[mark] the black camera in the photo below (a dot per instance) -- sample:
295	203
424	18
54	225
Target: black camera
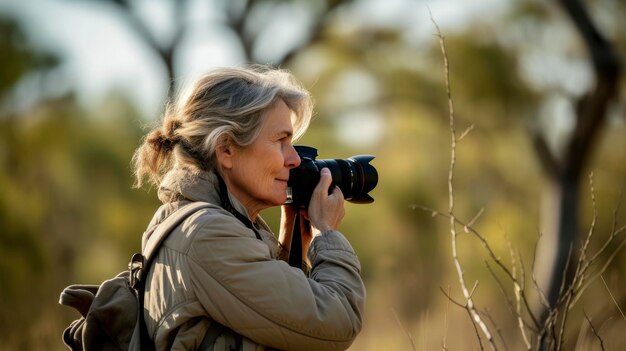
354	176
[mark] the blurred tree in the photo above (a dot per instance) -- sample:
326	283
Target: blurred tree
241	17
65	195
485	78
67	211
19	60
565	169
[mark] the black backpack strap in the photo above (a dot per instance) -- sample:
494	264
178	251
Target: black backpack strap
228	206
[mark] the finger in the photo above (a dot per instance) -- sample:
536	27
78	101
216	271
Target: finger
337	192
325	180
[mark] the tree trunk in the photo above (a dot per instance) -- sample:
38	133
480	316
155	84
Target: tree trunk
558	244
564	172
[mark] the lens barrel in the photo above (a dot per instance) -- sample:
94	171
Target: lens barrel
355	176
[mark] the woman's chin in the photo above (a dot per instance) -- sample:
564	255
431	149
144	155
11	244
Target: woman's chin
280	196
280	199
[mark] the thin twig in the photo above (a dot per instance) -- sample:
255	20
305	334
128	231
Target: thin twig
562	293
465	133
462	305
404	329
602	270
582	331
609	240
425	333
445	324
542	295
581	280
490	251
471	222
498	330
480	341
582	259
594	331
574	291
474	315
566	299
613	298
561	335
518	289
502	289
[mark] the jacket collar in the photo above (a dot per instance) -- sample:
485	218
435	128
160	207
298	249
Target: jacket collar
187	184
184	184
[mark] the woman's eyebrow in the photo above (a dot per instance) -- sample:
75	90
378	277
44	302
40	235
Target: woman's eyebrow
284	133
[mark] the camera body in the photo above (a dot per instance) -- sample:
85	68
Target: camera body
354	176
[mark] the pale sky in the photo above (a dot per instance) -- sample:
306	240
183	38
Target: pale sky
100	52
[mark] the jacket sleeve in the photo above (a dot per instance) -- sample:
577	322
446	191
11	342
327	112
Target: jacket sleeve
266	300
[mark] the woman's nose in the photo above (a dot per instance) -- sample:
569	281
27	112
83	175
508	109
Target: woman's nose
292	159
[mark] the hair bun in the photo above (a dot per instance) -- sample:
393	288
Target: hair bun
165	143
161	142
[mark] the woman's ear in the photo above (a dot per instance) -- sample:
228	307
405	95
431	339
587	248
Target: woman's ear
225	152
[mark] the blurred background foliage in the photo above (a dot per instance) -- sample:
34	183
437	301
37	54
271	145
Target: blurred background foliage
68	213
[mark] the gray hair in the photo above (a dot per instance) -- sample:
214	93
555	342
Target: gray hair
227	102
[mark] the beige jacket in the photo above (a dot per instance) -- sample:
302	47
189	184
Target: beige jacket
212	267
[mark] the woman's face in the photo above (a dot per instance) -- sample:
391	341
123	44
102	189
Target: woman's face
257	174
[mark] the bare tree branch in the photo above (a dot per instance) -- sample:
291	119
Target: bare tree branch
471	309
406	332
594	331
518	288
445	324
613	298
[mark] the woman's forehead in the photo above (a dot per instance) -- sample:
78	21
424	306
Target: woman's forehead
278	119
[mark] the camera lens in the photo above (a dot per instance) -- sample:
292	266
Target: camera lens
365	179
355	176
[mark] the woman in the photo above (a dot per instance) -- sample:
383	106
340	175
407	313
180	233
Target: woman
220	281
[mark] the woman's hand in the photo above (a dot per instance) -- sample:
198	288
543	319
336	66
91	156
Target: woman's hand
325	211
